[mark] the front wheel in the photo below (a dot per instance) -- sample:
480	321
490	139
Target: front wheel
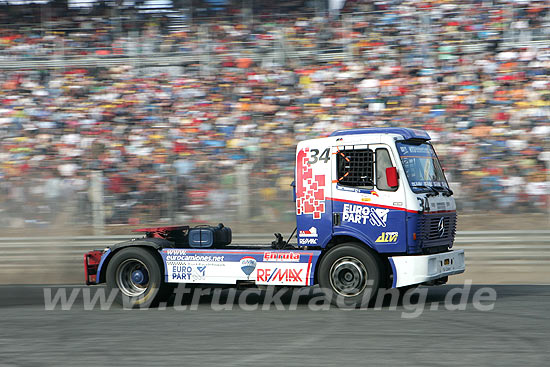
137	276
350	275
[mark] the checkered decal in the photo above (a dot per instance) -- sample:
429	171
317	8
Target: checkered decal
310	188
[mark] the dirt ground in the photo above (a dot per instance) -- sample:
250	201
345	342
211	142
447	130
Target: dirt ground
477	274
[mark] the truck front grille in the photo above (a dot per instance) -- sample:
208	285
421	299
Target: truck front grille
437	230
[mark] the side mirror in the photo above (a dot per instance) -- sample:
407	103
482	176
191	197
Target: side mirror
391	177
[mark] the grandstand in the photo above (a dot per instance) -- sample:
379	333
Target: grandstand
161	111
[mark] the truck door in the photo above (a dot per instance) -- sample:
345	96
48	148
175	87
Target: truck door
364	205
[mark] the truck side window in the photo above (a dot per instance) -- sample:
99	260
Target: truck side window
355	167
383	161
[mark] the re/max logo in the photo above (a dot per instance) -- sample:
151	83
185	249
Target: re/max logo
308	241
279	275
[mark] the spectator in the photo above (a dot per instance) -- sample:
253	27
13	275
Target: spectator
170	143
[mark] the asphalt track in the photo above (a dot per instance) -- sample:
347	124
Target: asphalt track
514	333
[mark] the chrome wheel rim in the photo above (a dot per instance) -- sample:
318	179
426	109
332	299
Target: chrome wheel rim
132	277
348	276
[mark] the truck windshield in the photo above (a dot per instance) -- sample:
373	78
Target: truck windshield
421	166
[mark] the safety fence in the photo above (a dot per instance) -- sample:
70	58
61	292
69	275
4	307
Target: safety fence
482	248
491	256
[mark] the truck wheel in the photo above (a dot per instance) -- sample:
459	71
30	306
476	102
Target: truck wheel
349	274
137	274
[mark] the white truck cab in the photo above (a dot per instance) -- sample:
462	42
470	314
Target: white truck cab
382	187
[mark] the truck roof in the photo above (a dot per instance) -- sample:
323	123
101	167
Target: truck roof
405	132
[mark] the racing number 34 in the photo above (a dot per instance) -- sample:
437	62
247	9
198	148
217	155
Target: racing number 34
316	158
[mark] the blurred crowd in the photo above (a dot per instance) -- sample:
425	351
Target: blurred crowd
46	31
172	145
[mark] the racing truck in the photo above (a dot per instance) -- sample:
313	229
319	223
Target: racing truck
373	210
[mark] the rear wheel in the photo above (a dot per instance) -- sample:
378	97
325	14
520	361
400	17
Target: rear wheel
350	275
137	274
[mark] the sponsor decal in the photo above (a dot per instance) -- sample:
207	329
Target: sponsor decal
378	217
369	198
388	237
312	232
416	149
360	214
202	269
282	276
348	189
175	252
188	273
248	265
282	256
310	187
308	237
238	265
308	241
204	258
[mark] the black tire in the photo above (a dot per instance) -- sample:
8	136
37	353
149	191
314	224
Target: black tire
132	291
350	275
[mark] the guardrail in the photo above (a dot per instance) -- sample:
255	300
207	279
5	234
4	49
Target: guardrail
524	248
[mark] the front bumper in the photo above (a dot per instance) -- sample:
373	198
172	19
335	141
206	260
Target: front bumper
412	269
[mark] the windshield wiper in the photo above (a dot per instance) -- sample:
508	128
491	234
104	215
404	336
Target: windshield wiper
435	192
446	191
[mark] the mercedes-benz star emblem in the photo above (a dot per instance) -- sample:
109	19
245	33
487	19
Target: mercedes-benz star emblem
441	228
